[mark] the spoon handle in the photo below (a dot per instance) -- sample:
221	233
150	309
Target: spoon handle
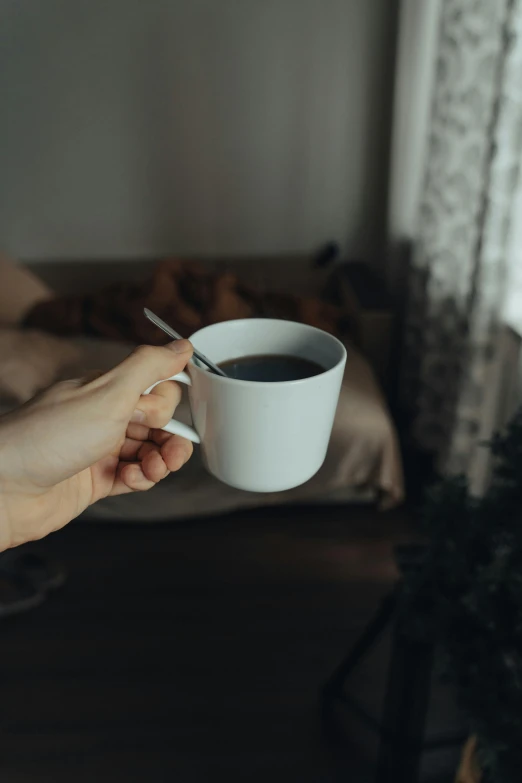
160	323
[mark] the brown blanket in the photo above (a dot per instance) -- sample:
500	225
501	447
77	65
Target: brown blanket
184	295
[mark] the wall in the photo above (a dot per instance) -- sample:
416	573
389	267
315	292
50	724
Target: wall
135	128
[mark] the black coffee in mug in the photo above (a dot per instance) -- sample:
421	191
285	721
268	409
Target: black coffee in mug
270	368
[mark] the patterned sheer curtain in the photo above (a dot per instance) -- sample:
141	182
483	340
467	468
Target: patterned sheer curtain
467	240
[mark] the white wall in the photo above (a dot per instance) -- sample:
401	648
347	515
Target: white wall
142	127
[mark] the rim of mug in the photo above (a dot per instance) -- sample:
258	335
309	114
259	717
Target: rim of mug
238	381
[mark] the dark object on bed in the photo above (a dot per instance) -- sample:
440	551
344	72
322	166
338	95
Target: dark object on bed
185	295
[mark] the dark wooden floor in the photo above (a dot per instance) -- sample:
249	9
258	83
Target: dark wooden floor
191	652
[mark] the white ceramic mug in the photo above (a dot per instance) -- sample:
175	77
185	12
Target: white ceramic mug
259	436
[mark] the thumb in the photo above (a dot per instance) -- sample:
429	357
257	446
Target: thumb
148	364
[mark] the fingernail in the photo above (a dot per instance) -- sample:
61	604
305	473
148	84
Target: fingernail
180	346
138	416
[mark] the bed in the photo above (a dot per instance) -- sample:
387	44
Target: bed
363	463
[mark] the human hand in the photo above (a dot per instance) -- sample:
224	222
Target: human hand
81	441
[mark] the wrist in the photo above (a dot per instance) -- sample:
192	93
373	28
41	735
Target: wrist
18	505
24	516
5	513
6	529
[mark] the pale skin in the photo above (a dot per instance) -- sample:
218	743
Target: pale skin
81	441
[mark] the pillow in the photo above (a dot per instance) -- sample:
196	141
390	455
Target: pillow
30	361
20	291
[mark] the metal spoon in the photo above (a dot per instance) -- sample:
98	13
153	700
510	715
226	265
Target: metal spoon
172	333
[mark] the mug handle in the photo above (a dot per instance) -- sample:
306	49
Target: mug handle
173	426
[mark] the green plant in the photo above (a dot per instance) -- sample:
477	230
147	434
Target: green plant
468	597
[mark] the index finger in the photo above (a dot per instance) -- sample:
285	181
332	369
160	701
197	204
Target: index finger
148	364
